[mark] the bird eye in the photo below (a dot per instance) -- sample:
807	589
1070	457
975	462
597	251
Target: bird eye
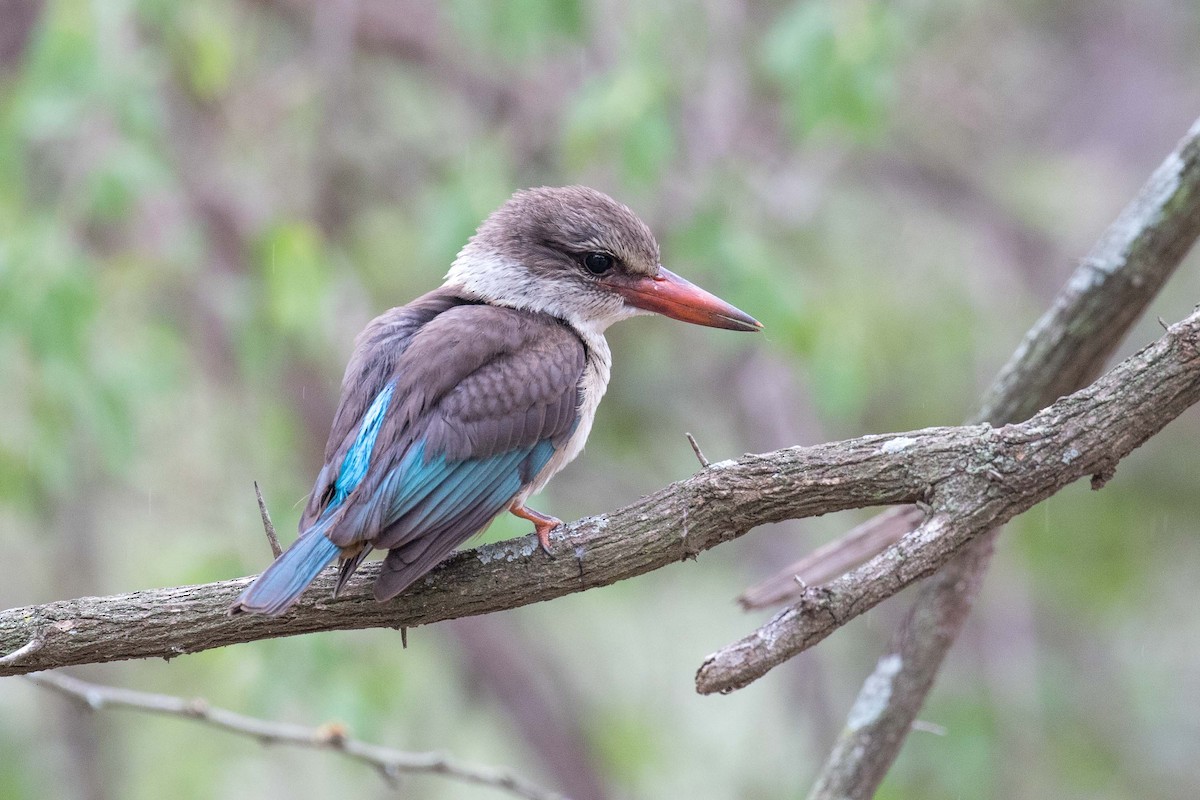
598	263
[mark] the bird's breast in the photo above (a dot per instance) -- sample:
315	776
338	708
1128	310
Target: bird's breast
592	385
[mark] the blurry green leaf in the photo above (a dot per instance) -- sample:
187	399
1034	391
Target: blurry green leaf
200	39
834	62
211	57
60	313
453	210
69	401
754	267
1113	568
517	29
625	741
841	380
626	114
119	180
295	274
111	197
64	55
969	744
648	148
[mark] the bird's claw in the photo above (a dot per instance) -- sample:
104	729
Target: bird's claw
543	535
542	524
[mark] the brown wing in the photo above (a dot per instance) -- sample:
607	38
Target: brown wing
372	365
480	398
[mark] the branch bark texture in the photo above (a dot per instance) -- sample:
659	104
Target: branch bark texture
1070	343
1061	353
975	476
716	505
978	477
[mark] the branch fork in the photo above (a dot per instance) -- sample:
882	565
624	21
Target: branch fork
989	476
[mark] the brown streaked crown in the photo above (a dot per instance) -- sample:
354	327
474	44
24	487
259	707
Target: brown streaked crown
541	226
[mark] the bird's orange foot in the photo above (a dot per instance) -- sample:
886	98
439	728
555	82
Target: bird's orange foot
542	524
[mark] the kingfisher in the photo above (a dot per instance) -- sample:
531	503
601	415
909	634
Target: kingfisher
463	403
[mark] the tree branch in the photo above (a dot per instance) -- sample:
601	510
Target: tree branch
955	469
1061	353
979	477
392	764
673	524
1090	316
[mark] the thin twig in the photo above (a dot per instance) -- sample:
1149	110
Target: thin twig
696	449
833	559
329	737
29	648
268	526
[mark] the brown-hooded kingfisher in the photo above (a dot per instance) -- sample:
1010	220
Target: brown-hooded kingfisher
463	403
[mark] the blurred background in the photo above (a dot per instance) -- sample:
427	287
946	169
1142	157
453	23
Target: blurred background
202	203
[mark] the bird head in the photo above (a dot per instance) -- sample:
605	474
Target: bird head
579	255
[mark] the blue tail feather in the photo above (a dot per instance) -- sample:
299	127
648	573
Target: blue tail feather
274	591
426	496
277	588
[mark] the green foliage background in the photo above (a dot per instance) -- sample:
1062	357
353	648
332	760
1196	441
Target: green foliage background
201	204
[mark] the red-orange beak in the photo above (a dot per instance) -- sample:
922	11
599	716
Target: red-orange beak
670	295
